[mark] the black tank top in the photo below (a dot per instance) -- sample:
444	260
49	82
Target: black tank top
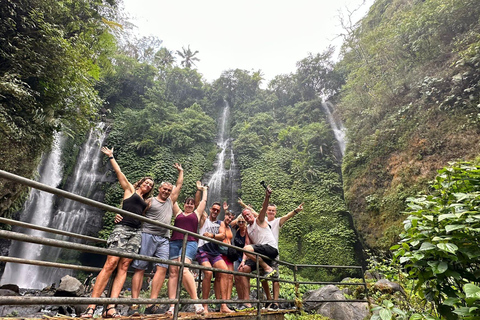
134	204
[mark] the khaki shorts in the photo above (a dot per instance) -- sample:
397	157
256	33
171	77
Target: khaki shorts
124	238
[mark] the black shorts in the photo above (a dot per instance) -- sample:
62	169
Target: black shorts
266	250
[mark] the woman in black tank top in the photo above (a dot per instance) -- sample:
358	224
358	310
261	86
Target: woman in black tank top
126	236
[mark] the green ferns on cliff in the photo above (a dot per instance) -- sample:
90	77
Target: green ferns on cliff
410	103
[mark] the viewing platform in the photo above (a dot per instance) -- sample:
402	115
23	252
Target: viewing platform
249	315
83	299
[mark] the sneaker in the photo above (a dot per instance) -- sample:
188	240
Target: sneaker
133	310
266	305
153	309
270	274
273	307
244	308
198	308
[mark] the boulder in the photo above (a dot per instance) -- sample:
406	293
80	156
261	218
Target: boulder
6	293
70	287
11	287
385	286
334	310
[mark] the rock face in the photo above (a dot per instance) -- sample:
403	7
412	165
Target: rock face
334	310
385	286
70	287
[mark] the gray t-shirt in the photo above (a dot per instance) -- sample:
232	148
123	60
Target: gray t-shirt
161	212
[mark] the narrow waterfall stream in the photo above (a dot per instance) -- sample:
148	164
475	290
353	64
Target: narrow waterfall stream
337	126
45	209
223	182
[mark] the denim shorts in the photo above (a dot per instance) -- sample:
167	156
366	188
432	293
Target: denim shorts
152	246
176	249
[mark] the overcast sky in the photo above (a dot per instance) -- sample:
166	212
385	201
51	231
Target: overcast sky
256	35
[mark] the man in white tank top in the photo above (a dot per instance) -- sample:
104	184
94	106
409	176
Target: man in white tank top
260	240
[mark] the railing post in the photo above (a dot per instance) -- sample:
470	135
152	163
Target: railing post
180	277
259	308
365	285
298	300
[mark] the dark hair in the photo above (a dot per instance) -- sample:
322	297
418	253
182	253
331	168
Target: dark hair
137	185
217	203
190	199
229	213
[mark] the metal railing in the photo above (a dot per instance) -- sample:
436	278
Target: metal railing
23	300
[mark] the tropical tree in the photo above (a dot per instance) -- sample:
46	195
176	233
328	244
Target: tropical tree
164	58
188	57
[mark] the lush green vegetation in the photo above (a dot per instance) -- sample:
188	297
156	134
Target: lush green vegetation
436	260
407	87
410	102
51	55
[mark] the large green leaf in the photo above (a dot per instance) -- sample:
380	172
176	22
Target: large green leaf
452	227
448	247
471	291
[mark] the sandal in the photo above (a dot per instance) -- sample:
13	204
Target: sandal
88	313
170	311
115	314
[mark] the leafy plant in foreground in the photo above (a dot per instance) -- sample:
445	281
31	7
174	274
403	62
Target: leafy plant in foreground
439	247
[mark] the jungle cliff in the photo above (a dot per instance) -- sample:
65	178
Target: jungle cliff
411	105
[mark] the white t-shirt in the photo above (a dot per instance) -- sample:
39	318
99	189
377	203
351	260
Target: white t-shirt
275	226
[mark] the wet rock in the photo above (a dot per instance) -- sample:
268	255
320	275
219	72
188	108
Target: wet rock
70	287
6	293
386	286
11	287
19	311
334	310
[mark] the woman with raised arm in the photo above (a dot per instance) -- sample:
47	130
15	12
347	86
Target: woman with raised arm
188	219
125	237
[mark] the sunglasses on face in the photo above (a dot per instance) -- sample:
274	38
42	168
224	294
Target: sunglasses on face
241	222
215	210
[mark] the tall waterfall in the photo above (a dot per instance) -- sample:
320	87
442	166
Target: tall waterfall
38	209
223	182
337	126
45	209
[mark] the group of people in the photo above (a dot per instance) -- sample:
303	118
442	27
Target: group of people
254	232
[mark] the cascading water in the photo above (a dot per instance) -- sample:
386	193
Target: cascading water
223	183
38	210
45	209
337	126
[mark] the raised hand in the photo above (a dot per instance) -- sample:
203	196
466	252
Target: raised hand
108	152
178	166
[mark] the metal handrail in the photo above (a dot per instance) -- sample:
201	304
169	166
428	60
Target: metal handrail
181	264
50	230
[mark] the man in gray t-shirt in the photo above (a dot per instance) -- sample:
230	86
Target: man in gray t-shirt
155	241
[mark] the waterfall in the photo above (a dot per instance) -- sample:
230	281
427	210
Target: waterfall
223	182
337	126
45	209
38	209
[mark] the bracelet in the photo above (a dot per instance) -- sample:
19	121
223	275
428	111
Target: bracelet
295	211
110	157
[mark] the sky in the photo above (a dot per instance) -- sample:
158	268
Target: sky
265	35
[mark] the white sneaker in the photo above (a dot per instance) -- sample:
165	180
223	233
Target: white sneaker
198	308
